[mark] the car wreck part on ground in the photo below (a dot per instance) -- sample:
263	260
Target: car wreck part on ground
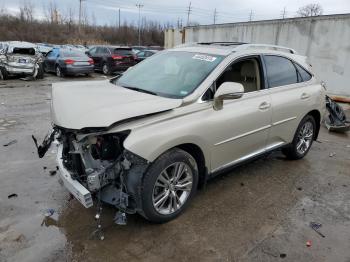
11	142
336	120
45	145
316	226
12	196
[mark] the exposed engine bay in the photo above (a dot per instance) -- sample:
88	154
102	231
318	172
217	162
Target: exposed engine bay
99	166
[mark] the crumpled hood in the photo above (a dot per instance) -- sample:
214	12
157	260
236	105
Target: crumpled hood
85	104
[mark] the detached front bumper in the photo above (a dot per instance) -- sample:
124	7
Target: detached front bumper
74	187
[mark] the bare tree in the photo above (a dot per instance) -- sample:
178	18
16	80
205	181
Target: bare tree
26	11
310	10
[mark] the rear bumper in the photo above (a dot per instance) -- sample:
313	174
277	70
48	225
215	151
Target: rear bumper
73	70
19	70
74	187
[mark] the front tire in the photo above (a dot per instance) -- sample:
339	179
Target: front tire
302	140
168	186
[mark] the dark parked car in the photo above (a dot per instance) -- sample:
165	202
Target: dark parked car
109	59
68	62
144	54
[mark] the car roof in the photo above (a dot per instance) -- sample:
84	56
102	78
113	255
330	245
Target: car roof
226	48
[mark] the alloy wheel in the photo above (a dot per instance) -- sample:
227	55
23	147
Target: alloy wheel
172	188
105	69
305	137
58	71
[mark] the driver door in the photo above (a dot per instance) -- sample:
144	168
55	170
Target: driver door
242	126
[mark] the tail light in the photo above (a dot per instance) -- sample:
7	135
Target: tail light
91	62
69	61
117	57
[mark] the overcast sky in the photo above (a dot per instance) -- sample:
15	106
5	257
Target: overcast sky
202	11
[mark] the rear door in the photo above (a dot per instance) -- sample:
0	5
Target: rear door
289	97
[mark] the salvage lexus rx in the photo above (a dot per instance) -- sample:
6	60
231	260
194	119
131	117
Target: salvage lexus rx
145	140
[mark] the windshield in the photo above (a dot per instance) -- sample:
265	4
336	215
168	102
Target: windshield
171	74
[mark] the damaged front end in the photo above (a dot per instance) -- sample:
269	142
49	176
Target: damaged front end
96	166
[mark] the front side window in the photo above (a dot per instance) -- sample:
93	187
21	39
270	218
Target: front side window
246	72
173	74
280	71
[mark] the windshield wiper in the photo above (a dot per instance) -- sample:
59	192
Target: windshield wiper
140	90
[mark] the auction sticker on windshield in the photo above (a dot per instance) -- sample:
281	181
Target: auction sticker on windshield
207	58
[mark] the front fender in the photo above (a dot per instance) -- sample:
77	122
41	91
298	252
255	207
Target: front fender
150	145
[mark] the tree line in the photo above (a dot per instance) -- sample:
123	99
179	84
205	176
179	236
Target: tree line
58	27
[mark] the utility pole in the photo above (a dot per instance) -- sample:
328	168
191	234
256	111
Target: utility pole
139	6
250	15
188	13
284	13
79	26
215	15
119	18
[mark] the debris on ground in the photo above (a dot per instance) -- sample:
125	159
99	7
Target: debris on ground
282	255
336	120
44	167
242	184
332	154
11	142
49	212
299	188
12	196
316	226
52	172
308	243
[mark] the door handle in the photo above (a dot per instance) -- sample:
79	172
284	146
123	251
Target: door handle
304	96
264	105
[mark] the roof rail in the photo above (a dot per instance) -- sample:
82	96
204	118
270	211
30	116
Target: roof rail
271	47
221	43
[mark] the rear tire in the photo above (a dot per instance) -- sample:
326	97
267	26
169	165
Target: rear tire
105	69
59	71
40	74
164	194
302	140
3	74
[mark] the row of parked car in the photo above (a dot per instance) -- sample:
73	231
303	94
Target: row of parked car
23	58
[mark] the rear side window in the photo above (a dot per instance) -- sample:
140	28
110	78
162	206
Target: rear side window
303	74
280	71
123	52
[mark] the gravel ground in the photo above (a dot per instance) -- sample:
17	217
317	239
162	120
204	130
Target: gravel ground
258	212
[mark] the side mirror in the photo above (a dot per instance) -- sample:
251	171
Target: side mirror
227	91
87	53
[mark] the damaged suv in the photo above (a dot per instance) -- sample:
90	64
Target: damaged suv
145	140
20	58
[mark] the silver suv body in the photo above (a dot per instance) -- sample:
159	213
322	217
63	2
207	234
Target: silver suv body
146	140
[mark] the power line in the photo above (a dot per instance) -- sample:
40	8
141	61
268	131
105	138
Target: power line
139	6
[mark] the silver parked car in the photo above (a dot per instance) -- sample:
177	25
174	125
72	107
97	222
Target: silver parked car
146	140
20	58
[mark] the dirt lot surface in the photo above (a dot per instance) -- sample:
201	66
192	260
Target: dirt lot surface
257	212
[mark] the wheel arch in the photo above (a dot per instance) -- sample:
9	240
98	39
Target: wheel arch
196	152
317	116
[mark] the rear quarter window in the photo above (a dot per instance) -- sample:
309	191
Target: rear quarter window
304	75
280	71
